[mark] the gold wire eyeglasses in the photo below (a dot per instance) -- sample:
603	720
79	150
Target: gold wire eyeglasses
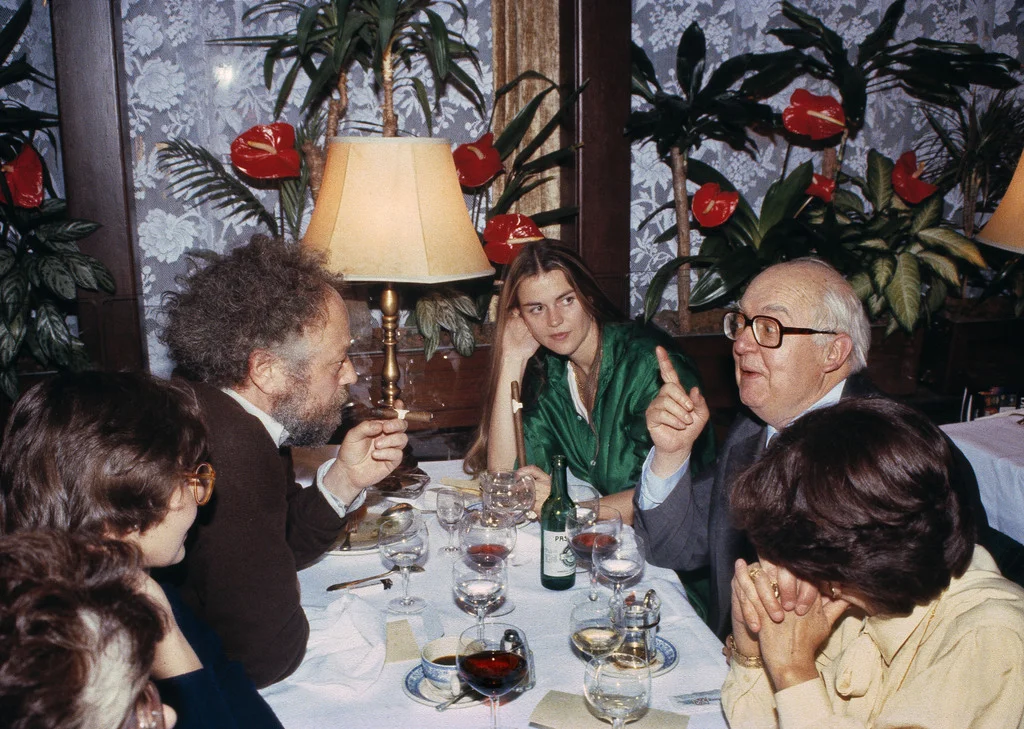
201	482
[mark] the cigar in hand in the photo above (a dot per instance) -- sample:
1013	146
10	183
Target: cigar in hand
413	416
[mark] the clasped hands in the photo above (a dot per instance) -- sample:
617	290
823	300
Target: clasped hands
781	619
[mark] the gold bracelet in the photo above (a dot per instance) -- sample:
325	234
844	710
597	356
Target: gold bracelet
740	659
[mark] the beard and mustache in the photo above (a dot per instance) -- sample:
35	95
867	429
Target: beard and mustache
309	423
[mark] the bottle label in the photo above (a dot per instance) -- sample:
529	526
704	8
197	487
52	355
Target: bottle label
559	560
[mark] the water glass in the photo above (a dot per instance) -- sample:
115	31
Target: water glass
622	563
450	507
507	493
479	582
402	540
618	687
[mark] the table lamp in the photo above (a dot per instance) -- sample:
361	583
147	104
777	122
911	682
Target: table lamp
391	210
1005	229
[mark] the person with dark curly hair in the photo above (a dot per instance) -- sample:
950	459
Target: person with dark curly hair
77	639
911	625
122	456
262	335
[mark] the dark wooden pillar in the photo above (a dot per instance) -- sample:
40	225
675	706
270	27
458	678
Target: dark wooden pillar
595	45
96	156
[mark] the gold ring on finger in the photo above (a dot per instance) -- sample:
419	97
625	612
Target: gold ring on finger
754	572
775	589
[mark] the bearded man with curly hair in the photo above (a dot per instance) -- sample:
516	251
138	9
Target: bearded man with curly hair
262	336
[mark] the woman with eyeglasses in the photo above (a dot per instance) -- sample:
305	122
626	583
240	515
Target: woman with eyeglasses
120	456
76	642
587	377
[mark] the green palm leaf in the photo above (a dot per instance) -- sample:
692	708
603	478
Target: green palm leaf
197	177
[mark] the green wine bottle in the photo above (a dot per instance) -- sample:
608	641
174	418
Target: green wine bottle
557	561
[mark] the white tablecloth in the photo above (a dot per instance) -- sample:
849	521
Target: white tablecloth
995	448
542	614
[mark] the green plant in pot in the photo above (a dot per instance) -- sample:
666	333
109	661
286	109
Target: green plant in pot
41	267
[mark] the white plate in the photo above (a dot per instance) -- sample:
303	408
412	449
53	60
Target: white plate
420	690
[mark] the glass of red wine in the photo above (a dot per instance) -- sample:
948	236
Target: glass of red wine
493	660
483	531
592	526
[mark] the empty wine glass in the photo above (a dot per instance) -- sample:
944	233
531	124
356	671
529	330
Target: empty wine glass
592	526
620	563
618	687
493	659
507	493
595	629
450	507
479	582
402	539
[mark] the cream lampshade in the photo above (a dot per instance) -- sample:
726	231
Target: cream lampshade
391	210
1005	229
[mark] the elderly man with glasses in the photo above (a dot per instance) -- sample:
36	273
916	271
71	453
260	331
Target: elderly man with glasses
800	342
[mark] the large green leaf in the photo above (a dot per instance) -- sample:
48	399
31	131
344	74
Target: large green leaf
7	260
941	265
661	278
14	294
690	59
927	215
955	243
785	197
903	293
52	335
879	180
57	277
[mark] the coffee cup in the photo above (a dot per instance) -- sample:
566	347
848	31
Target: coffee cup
438	661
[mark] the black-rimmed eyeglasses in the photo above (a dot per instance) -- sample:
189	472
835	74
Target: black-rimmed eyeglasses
767	330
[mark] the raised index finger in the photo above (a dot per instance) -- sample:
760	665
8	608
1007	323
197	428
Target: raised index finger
668	373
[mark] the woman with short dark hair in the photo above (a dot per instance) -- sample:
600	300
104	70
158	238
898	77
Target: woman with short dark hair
121	456
914	626
76	642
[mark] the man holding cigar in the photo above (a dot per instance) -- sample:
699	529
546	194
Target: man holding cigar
262	335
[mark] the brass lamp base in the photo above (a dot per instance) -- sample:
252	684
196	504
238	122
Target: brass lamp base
389	324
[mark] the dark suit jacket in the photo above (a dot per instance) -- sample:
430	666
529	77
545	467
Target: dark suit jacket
692	527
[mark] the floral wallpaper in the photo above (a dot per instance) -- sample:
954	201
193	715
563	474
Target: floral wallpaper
892	124
180	85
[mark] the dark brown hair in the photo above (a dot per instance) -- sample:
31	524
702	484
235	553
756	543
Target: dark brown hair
262	295
861	493
97	452
536	258
63	599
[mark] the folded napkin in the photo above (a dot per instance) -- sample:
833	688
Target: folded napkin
559	710
345	655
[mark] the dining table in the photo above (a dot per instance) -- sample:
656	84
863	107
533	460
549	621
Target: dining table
362	667
994	445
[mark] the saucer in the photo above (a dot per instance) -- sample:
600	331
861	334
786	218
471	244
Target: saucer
666	657
419	689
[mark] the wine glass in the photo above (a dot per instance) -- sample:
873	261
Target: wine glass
482	531
507	493
595	629
450	507
402	539
620	563
493	660
592	525
479	581
618	687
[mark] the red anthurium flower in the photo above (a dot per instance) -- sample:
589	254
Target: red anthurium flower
906	179
478	162
713	206
822	187
505	234
266	152
24	175
817	117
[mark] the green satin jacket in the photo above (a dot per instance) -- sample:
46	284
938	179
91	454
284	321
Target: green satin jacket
609	452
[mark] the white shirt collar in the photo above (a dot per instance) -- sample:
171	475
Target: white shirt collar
277	431
830	398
